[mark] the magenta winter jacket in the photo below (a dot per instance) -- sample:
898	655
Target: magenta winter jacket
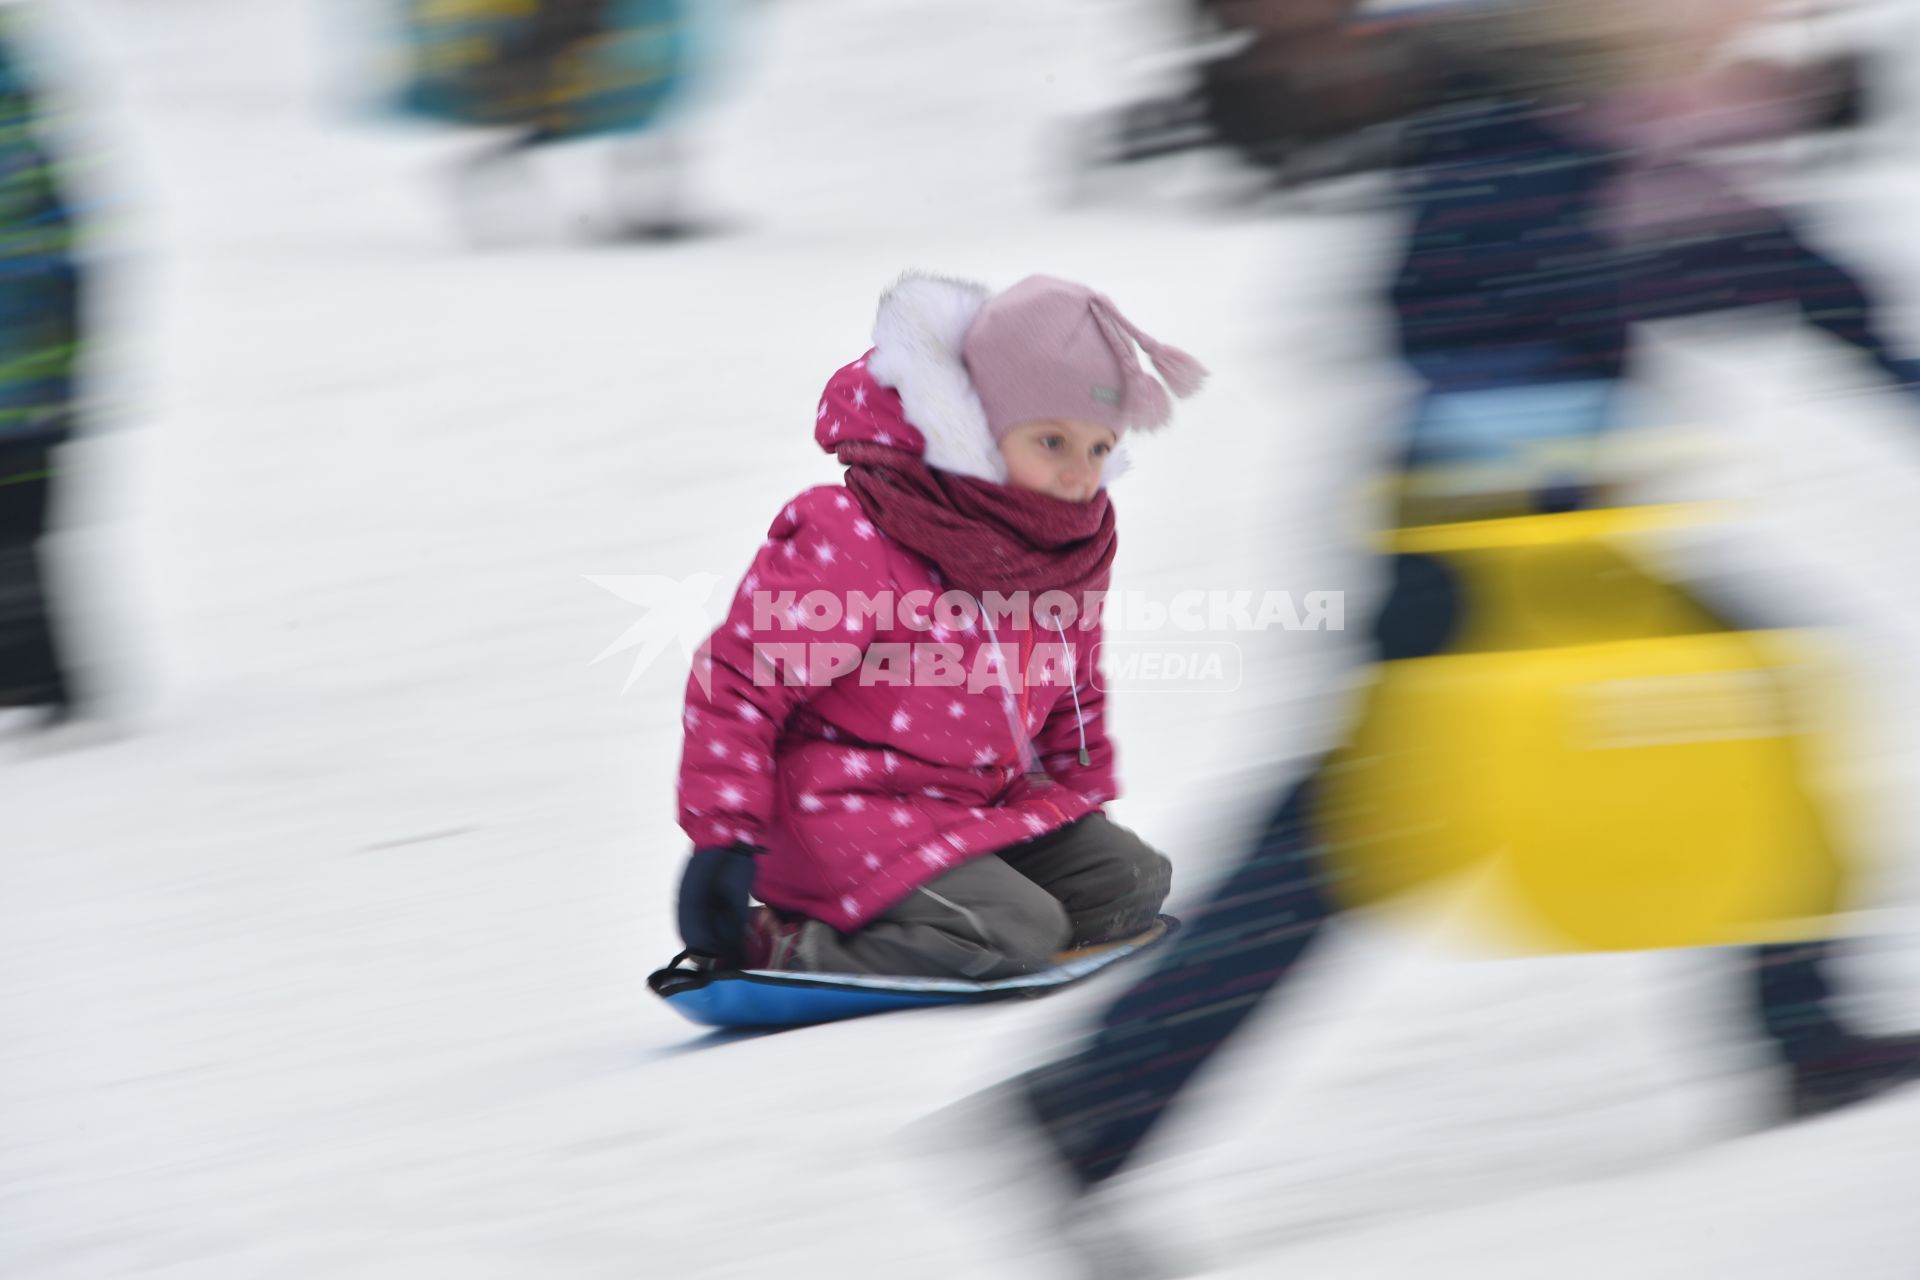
860	791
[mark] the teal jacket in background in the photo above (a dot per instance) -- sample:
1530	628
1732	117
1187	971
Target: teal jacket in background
560	69
40	342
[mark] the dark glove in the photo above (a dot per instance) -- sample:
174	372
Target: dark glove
714	890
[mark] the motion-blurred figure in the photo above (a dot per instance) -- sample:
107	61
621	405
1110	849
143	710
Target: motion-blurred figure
1559	198
548	72
1295	88
40	349
1311	89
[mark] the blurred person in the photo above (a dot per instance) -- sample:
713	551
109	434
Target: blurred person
1310	72
554	72
1291	86
941	817
1559	201
40	348
1310	89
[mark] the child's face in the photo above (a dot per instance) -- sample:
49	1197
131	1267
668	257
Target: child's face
1059	458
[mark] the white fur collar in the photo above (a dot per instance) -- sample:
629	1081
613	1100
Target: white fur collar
918	342
918	339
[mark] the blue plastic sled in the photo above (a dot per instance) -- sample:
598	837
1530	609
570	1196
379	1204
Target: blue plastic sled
761	998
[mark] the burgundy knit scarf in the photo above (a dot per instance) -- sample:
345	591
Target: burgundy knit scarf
981	536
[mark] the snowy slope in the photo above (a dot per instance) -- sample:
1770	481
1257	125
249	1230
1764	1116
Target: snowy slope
331	966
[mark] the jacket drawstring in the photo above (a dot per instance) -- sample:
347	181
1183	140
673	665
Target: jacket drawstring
1073	687
1029	758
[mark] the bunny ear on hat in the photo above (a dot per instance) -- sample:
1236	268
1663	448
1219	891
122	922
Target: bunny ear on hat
1148	406
1183	374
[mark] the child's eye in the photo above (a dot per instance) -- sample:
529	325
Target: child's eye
1051	442
1102	450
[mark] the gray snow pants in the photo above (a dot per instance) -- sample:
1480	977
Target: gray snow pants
1007	913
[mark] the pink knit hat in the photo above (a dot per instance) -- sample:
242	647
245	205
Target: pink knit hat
1050	348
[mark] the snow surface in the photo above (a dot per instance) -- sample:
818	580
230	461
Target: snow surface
330	964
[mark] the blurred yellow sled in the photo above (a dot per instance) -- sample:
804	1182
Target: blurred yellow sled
1607	762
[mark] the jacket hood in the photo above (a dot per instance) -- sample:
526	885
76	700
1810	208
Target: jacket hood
912	390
